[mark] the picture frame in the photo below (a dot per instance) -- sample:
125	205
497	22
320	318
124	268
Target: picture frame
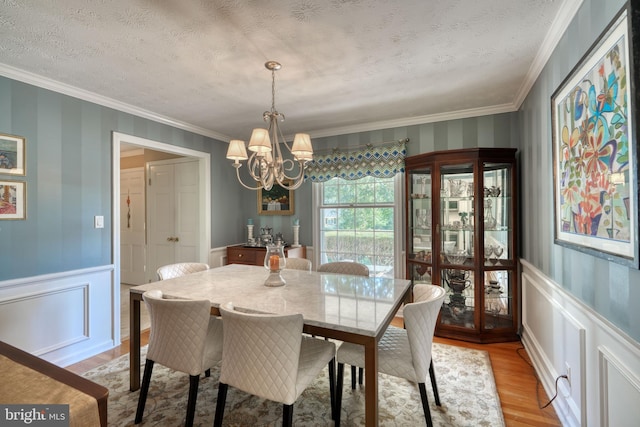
276	201
13	200
595	177
12	158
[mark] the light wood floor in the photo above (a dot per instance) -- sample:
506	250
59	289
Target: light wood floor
515	379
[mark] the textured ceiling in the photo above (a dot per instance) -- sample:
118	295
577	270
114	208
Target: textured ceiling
347	65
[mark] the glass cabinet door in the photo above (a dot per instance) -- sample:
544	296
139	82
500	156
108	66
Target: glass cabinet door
420	226
457	241
498	248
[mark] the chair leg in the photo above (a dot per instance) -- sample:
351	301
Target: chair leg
361	375
353	378
191	403
287	415
222	397
434	386
332	386
144	390
425	404
338	408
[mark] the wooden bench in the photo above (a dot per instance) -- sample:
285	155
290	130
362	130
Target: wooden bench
28	379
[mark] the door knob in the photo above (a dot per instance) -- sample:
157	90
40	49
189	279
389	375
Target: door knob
176	239
169	239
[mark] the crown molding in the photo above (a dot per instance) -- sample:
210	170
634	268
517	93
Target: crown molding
565	15
65	89
418	120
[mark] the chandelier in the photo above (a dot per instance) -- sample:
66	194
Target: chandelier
266	164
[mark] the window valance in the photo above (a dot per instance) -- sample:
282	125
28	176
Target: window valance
380	161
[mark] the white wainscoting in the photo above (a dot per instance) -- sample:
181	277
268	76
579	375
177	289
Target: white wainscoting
558	330
218	257
62	317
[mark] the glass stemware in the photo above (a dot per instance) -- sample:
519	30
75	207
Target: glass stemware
498	250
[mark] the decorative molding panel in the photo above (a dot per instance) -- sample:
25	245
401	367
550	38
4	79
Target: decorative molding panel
558	330
619	391
63	317
60	320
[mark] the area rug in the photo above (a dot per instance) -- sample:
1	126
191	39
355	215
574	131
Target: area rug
465	382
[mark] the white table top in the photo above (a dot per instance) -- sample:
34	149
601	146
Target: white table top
355	304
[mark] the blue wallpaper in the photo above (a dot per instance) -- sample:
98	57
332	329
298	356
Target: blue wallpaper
610	289
68	176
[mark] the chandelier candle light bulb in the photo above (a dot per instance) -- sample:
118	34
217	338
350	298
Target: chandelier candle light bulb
266	164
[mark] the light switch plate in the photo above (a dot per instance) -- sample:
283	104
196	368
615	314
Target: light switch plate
98	221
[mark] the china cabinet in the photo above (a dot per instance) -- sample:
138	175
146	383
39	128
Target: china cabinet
462	235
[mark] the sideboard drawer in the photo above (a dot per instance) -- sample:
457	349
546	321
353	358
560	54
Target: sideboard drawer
237	255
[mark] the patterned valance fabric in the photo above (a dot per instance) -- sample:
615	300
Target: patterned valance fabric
383	161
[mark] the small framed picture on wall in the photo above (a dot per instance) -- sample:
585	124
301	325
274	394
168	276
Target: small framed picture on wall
11	155
13	200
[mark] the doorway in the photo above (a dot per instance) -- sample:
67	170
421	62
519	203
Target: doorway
204	215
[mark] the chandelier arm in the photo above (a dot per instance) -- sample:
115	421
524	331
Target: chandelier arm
261	171
287	164
296	183
237	166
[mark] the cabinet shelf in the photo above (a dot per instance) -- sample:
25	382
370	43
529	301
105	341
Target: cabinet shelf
461	235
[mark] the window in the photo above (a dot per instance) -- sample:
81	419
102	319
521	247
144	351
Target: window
360	220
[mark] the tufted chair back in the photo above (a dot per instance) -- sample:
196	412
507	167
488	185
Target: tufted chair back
266	355
345	267
420	319
298	264
180	269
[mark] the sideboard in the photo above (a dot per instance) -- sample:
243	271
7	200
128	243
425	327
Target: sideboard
254	255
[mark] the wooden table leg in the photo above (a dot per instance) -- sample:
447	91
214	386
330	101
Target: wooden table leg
134	341
371	382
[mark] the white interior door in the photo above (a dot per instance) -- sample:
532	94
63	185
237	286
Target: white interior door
187	226
132	219
173	213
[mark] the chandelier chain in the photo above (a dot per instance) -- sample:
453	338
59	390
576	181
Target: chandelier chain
273	91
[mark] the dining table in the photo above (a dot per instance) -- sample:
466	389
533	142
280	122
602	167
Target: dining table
343	307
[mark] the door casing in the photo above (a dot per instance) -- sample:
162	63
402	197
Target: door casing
204	170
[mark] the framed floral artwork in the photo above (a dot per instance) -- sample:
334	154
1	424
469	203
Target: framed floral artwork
594	150
11	155
13	200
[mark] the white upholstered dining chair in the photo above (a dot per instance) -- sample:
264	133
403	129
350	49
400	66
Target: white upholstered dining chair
356	269
180	269
184	337
267	356
298	264
403	353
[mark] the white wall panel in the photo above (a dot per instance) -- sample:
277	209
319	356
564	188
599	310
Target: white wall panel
558	329
63	317
620	392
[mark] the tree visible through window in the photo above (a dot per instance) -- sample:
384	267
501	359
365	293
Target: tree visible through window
357	222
